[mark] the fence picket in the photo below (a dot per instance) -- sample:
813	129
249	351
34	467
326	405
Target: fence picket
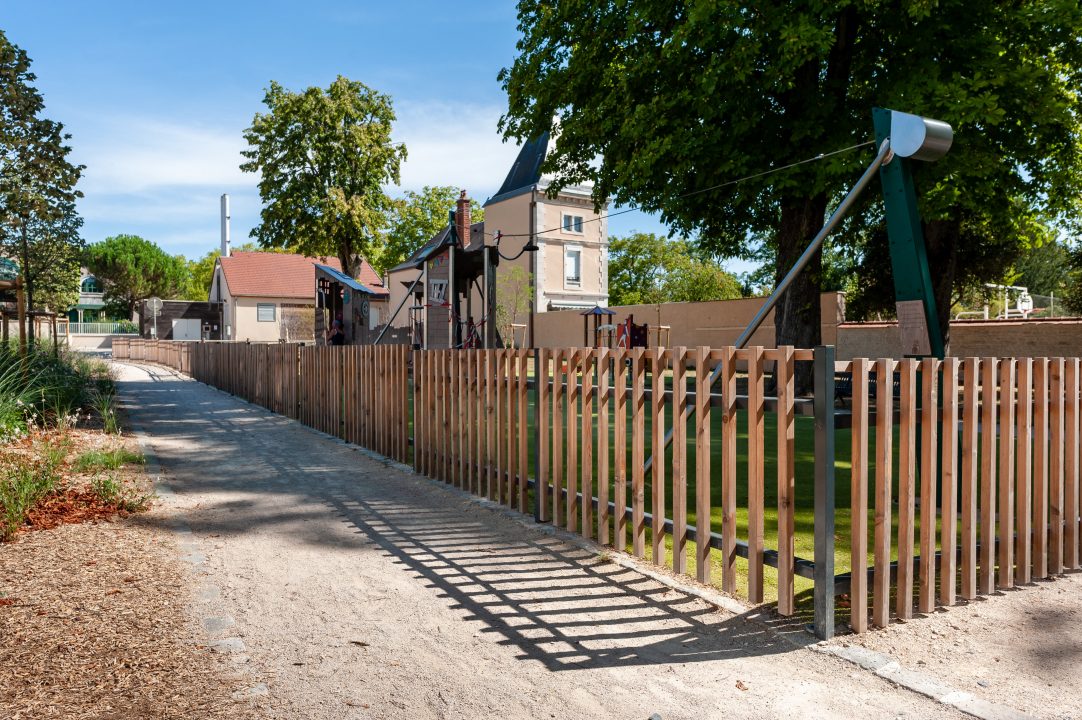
638	455
679	460
948	499
986	577
907	478
786	416
702	464
858	485
656	360
756	474
586	469
1055	483
928	439
572	440
619	441
1005	493
884	420
604	517
1070	467
728	470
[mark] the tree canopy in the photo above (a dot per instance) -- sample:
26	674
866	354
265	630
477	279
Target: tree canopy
132	269
415	218
39	225
324	157
646	268
666	102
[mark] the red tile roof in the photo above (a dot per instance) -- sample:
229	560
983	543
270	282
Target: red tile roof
266	274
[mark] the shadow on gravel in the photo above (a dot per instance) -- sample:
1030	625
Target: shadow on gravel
559	605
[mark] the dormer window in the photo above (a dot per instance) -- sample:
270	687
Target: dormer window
573	224
90	284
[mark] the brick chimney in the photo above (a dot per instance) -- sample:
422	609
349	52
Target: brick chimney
462	219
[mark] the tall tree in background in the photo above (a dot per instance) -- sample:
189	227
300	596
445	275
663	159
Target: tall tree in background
38	222
415	218
675	99
54	261
324	157
132	269
646	268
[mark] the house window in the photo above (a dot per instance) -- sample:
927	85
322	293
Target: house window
90	285
264	312
573	224
572	267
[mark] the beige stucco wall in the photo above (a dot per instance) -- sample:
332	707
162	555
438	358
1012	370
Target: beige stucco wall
970	338
593	241
716	324
247	327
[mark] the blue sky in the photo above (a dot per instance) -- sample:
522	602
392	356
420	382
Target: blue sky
157	95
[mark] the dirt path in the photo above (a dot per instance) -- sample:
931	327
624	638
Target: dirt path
361	591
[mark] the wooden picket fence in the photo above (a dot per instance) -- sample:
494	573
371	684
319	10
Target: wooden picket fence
359	394
1001	435
976	459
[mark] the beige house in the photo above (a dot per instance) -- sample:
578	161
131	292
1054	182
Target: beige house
568	270
270	297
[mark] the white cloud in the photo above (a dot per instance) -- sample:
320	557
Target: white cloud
126	155
452	144
161	178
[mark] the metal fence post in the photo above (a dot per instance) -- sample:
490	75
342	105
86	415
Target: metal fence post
823	367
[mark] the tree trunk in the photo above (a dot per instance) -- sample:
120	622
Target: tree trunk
798	316
941	245
28	286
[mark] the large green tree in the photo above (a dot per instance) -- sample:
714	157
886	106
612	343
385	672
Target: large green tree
415	218
660	102
38	223
647	268
132	269
324	157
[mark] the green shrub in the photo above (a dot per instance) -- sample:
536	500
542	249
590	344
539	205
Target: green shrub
111	491
24	482
97	460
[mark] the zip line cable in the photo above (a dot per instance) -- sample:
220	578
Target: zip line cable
499	236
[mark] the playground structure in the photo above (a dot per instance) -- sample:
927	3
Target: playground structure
359	308
453	296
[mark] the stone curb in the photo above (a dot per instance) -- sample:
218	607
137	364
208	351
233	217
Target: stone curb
891	670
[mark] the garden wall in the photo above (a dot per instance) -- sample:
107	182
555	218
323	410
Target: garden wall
970	338
714	324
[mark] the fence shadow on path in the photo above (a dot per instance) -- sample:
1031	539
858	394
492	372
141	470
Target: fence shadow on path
555	603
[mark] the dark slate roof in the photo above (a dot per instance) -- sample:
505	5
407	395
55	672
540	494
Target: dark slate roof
526	172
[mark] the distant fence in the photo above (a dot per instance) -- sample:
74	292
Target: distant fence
950	478
95	328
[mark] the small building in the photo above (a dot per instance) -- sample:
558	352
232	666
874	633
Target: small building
271	297
181	320
361	308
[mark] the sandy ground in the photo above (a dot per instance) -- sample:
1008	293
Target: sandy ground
361	591
1021	648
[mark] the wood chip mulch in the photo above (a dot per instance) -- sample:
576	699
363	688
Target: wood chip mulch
95	622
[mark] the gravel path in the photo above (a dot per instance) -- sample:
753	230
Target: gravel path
361	591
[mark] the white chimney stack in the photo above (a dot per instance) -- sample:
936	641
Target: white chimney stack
225	225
